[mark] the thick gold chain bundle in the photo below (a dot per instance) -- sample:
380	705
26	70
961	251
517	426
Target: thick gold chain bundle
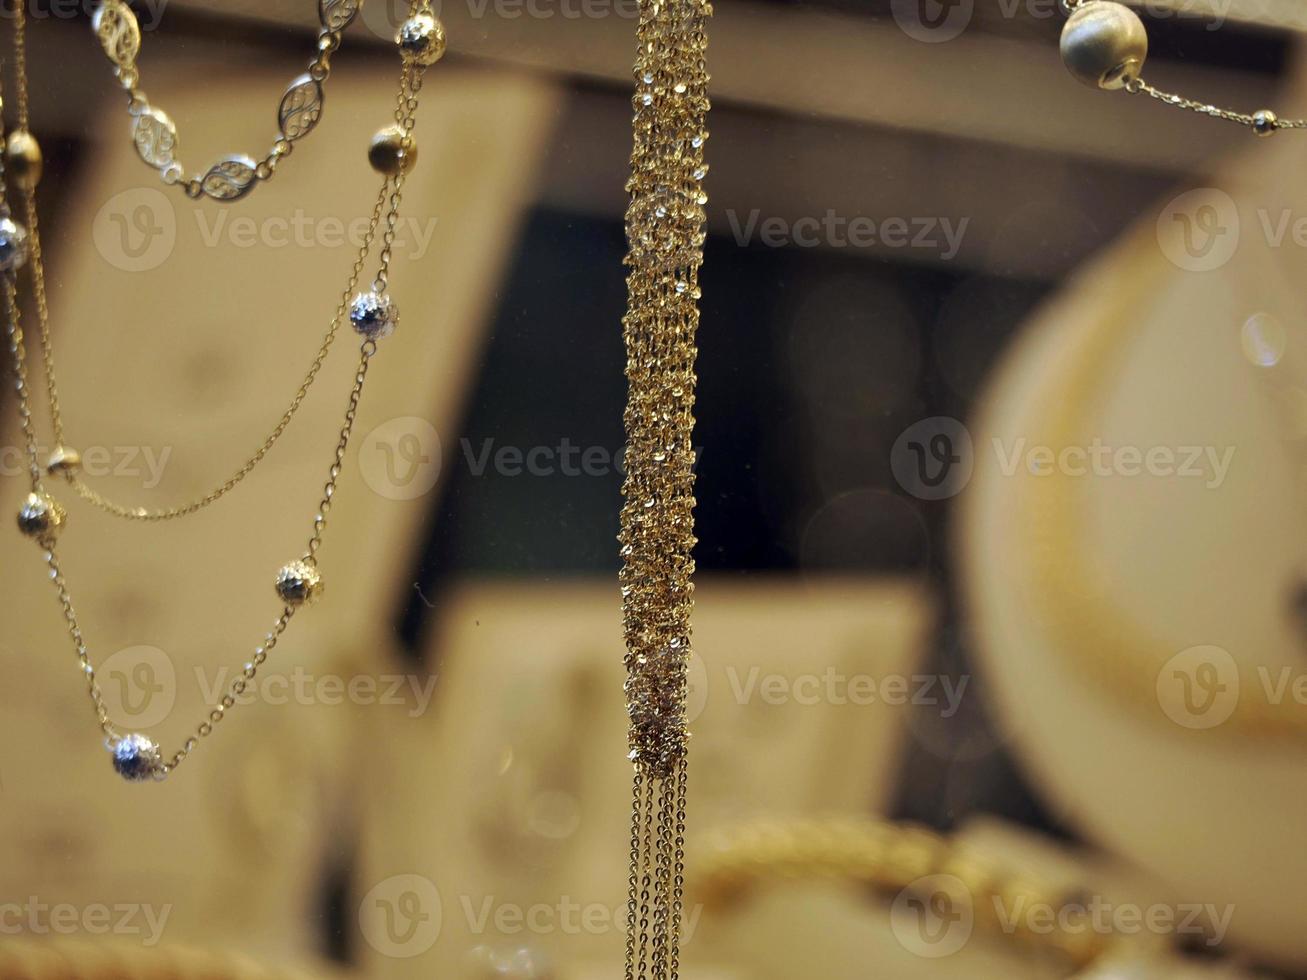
664	226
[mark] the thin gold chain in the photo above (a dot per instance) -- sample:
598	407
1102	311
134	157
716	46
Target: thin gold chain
388	200
27	192
665	234
1137	86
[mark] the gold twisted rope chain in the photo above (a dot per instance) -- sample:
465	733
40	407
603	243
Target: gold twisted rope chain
961	880
1105	45
665	235
421	43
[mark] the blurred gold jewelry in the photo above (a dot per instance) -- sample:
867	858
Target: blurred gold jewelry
899	859
1104	44
665	236
136	757
23	160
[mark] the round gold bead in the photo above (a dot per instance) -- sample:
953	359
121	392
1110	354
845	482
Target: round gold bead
23	160
1265	122
421	40
391	152
1104	44
298	583
40	515
63	462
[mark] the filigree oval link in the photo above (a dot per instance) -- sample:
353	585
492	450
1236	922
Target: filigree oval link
301	107
155	137
119	33
229	179
336	15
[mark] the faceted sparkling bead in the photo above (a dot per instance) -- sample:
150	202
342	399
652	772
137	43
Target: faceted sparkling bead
391	152
40	515
421	40
23	160
1265	122
63	462
13	245
373	315
136	758
298	582
1104	44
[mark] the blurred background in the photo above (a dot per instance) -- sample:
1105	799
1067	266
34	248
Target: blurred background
1000	664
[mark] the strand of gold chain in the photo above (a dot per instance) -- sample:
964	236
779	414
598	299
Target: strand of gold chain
410	84
665	222
85	491
1137	86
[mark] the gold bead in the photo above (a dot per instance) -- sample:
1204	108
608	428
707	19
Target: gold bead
23	160
40	515
1265	122
1104	44
63	462
421	40
298	583
391	152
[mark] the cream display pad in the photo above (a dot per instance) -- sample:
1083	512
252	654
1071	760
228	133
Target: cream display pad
1133	539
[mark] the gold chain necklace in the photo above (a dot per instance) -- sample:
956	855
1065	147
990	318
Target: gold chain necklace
664	225
390	148
373	316
155	135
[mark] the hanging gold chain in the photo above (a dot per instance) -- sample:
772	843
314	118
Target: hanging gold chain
27	193
41	517
664	223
